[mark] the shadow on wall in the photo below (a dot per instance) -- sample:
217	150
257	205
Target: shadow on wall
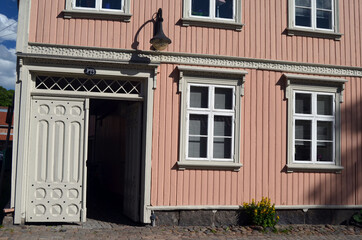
344	188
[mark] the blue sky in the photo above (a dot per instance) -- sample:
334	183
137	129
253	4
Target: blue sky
8	26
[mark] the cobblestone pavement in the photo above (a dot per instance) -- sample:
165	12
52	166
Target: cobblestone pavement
104	230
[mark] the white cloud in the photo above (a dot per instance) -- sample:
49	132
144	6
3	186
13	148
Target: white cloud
7	67
8	28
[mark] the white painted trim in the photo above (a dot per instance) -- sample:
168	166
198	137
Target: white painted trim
97	54
237	207
314	78
71	11
313	31
23	26
21	146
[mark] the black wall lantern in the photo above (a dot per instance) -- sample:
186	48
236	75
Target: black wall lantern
159	41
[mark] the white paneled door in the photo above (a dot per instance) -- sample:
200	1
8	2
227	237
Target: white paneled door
56	164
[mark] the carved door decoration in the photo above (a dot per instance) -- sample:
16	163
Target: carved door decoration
56	165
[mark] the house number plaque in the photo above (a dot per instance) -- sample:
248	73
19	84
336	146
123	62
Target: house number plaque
90	71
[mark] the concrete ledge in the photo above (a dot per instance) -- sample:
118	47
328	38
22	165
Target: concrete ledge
238	217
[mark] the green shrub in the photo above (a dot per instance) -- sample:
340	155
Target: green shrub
261	213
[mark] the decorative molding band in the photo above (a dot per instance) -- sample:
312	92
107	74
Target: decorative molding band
133	56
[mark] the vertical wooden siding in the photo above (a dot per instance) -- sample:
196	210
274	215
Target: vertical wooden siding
263	152
261	37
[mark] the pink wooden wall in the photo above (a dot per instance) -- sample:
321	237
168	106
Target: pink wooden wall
264	111
263	152
261	37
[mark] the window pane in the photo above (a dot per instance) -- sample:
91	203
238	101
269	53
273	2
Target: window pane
222	148
324	19
224	9
325	4
325	105
325	152
324	130
303	103
200	8
303	129
302	151
198	147
199	97
112	4
223	98
86	3
303	3
222	126
198	124
303	17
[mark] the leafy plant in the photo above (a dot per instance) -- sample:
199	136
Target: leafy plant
262	213
358	217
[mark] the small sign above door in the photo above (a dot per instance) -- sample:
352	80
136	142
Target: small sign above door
90	71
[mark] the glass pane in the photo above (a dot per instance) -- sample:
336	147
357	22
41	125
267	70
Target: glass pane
223	98
199	97
302	151
324	105
200	8
86	3
303	3
303	103
112	4
325	4
224	9
198	124
222	148
324	130
303	129
325	152
303	17
222	126
324	19
198	147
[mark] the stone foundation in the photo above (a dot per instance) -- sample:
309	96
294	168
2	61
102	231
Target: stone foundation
219	218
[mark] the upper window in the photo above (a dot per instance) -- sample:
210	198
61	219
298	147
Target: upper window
313	123
315	14
210	118
100	4
319	18
104	9
213	13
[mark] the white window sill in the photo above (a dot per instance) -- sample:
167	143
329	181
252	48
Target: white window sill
313	33
303	167
212	23
95	14
209	165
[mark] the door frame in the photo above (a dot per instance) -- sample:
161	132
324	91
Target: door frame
25	89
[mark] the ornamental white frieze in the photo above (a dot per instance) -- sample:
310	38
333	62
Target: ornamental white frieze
191	59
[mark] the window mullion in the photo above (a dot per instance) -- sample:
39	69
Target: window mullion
99	4
314	127
212	9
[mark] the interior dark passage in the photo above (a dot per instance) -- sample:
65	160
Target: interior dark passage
114	161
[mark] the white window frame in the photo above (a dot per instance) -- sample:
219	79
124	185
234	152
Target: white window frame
212	78
314	117
98	7
315	86
72	11
210	112
313	31
212	21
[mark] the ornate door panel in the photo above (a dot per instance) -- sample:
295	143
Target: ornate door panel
56	166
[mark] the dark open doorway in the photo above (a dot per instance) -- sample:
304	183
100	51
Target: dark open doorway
114	161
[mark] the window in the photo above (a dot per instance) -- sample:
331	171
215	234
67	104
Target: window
105	9
210	118
100	4
213	13
314	120
316	18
